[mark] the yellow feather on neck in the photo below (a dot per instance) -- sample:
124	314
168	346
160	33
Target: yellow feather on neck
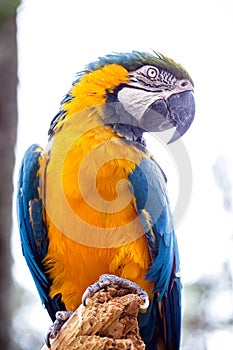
91	89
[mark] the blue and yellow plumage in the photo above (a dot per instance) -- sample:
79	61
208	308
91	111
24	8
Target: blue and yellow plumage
94	201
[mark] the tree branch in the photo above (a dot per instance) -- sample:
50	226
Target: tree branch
109	321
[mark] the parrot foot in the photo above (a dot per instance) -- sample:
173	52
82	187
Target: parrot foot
107	279
61	318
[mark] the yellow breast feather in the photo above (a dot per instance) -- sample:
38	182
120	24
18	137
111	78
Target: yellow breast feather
93	226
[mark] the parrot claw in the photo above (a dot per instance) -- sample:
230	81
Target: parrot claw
107	279
61	318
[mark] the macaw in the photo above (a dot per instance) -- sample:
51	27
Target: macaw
94	201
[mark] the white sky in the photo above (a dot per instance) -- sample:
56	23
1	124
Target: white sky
57	38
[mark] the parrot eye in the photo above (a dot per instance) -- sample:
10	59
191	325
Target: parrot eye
152	72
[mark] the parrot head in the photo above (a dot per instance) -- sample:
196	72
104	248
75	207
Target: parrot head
140	92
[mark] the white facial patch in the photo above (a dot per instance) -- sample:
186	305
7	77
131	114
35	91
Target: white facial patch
136	101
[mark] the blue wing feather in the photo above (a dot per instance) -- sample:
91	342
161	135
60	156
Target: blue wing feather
171	306
32	228
149	188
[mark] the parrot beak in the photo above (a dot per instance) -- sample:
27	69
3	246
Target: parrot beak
177	111
182	111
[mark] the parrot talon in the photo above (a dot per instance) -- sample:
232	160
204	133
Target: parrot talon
61	318
107	279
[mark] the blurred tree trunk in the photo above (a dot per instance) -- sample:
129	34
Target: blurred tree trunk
8	126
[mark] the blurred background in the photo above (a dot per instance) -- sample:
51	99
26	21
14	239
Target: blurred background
43	44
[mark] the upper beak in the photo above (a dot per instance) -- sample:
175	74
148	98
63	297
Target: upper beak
177	111
182	111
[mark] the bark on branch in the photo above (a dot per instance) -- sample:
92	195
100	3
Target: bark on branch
109	321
